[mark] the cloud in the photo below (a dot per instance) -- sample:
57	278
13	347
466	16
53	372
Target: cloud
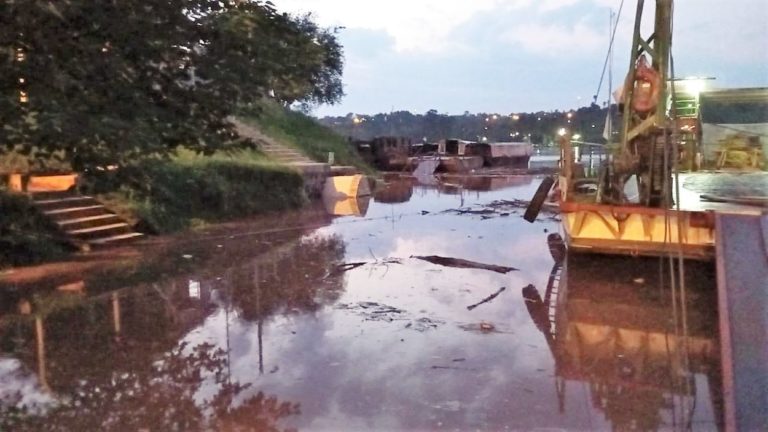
513	55
556	39
423	26
551	5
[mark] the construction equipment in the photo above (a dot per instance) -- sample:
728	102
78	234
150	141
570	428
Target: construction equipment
646	145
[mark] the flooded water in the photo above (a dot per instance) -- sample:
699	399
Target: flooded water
333	323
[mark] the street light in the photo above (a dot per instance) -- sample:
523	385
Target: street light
694	85
562	131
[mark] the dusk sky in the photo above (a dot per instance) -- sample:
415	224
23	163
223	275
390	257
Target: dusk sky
521	55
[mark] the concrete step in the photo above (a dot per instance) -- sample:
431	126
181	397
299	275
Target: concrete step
283	151
291	159
116	239
61	199
85	221
100	231
88	221
286	155
67	202
37	196
75	212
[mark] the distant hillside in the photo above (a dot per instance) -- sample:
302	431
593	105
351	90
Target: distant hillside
541	127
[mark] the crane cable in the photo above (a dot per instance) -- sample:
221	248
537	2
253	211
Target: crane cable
680	259
608	55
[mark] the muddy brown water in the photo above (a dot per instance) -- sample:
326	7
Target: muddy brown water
329	324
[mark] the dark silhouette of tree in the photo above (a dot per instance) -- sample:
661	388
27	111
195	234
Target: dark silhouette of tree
161	396
539	127
95	84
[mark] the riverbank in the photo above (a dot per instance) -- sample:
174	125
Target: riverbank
166	255
188	191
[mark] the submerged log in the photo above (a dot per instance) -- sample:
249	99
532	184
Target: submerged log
462	263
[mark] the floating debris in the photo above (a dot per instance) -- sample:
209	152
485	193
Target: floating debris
487	326
373	311
462	263
341	268
423	324
463	211
482	327
487	299
453	368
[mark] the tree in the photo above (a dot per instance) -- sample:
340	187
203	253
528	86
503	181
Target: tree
291	57
101	83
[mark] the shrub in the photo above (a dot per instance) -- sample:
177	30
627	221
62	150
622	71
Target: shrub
168	196
26	237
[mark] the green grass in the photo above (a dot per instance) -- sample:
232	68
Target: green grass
26	237
303	133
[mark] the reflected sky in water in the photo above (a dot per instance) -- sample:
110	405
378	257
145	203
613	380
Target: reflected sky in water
281	331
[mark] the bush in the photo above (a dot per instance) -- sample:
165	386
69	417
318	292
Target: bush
169	196
26	237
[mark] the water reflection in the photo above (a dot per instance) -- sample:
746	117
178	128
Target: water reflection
611	323
114	361
349	206
395	189
398	188
338	326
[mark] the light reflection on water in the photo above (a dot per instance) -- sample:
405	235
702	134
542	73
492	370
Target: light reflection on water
386	345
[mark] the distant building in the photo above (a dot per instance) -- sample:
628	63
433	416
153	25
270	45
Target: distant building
729	112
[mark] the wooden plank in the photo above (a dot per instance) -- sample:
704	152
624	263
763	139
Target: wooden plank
742	280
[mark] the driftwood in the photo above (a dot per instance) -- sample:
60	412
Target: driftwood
487	299
462	263
472	211
341	268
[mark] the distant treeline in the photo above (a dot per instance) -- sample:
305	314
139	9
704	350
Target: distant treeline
540	127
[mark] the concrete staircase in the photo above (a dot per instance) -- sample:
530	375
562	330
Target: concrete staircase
314	173
274	150
84	220
284	154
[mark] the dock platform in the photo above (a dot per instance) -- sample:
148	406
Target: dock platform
742	280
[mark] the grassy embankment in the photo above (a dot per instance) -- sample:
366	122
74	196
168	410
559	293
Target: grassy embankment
188	190
299	131
191	190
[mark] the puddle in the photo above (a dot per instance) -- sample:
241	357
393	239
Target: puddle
331	325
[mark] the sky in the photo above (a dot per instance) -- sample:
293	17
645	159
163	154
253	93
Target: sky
506	56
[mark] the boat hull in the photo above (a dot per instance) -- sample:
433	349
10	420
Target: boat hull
635	230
